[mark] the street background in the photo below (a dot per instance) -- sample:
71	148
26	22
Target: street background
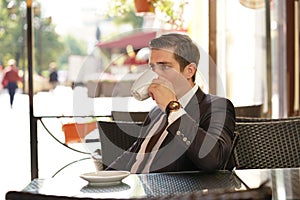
15	143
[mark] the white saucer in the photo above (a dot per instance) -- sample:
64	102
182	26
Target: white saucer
104	177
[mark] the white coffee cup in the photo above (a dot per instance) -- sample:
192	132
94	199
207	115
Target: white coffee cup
139	89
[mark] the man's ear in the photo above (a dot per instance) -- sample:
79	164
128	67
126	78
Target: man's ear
190	70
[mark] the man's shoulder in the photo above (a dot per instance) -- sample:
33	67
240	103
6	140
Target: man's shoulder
216	99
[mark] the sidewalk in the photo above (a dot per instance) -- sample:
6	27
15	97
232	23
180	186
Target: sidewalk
15	146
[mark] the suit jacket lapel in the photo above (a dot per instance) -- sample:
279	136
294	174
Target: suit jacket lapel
193	107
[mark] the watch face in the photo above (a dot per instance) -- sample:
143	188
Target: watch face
174	105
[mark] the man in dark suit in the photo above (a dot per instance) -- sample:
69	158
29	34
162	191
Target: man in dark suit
188	129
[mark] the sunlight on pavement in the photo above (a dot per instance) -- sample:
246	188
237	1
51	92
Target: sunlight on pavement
15	148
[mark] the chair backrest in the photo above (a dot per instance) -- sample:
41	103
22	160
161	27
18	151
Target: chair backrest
129	116
116	137
263	119
249	111
268	144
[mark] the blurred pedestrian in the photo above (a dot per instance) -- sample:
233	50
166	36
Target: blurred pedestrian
11	78
1	75
53	76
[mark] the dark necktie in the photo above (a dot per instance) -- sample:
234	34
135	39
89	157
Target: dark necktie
152	142
157	135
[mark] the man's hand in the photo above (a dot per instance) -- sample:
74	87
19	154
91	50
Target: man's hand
162	91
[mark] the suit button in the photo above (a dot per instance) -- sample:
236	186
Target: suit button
188	142
184	139
178	133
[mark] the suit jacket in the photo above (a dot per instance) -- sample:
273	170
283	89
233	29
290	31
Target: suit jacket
199	140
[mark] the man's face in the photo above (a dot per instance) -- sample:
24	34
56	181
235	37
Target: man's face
163	63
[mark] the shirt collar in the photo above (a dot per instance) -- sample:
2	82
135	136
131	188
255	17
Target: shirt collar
188	96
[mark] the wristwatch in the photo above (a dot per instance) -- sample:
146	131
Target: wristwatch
172	107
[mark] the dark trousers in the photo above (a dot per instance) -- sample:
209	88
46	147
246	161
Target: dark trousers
12	86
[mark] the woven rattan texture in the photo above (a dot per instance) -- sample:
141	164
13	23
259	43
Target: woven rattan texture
261	119
157	185
166	184
269	144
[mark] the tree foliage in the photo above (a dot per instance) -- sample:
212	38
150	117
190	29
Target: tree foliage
9	33
13	36
48	46
122	12
72	47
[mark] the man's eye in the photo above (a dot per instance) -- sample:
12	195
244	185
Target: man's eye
165	67
160	67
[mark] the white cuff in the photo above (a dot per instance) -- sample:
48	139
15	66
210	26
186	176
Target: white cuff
175	115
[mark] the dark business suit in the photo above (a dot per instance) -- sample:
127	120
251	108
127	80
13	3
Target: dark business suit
198	140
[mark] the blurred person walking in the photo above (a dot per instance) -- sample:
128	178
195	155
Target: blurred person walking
1	75
53	76
10	79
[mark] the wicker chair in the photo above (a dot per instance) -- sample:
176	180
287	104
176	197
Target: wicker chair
249	111
116	137
268	144
262	119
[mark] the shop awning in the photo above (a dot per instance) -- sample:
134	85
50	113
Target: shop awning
137	40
